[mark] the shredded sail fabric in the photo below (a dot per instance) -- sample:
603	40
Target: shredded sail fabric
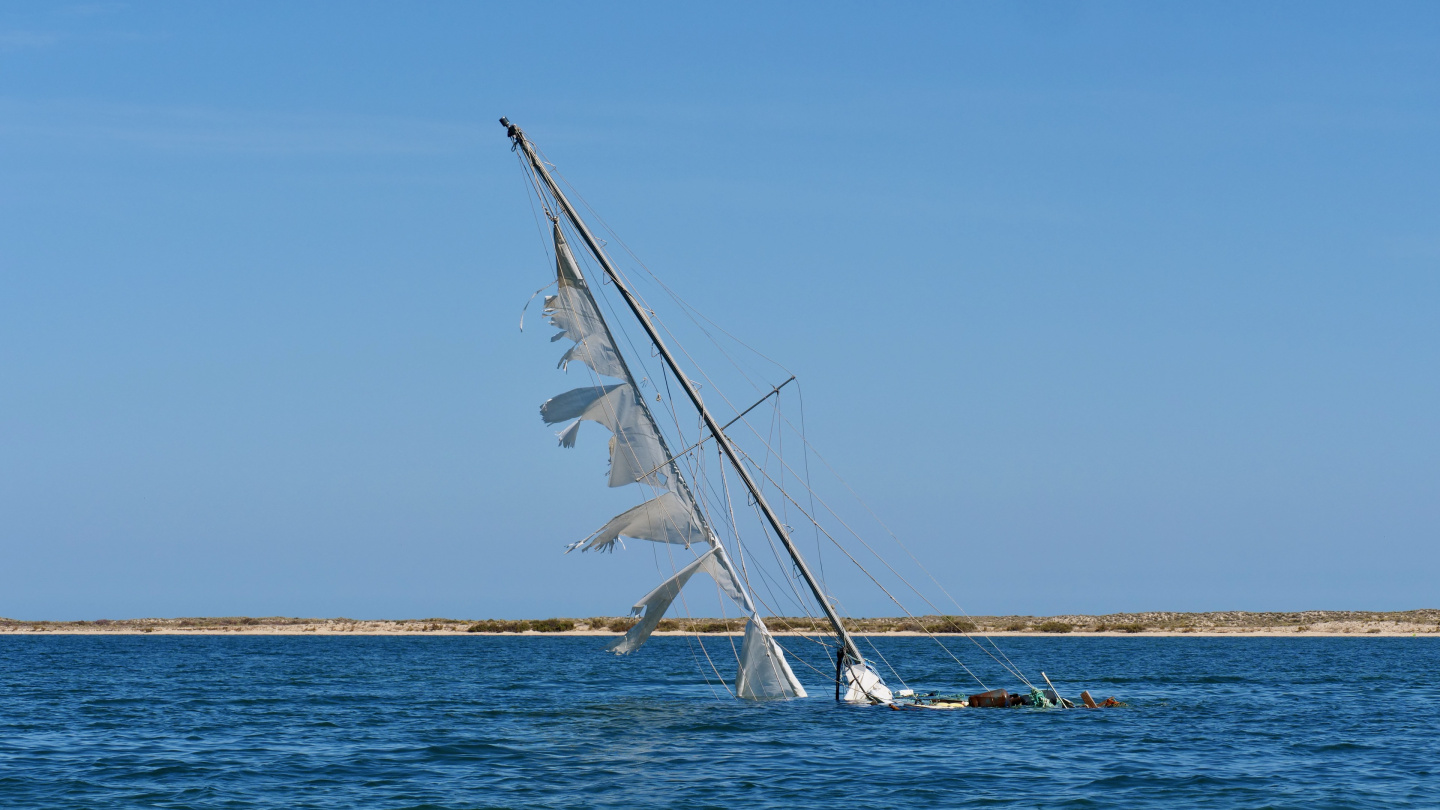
654	604
764	673
569	434
572	310
635	449
666	519
573	404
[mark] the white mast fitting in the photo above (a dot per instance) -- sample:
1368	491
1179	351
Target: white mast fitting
638	454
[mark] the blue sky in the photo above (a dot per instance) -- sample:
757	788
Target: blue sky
1102	306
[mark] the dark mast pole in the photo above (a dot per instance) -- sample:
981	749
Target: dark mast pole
848	648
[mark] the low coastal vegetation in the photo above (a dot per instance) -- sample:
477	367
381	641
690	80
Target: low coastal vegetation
1314	622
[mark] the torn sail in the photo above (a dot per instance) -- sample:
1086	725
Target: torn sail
636	450
764	672
651	608
572	310
665	519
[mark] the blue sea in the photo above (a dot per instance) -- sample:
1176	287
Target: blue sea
486	721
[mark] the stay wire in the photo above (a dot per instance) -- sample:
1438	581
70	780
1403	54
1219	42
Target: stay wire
881	586
1007	665
866	506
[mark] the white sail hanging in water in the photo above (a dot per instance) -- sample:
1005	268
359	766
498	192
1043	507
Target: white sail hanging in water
764	672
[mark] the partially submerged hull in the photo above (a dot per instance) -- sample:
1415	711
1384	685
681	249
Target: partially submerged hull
1001	699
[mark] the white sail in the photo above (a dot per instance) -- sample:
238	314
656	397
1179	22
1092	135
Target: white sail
636	450
651	608
665	519
764	672
573	311
864	685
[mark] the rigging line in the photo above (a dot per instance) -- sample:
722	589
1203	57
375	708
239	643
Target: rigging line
685	606
1007	665
805	450
685	305
699	369
770	587
818	671
701	642
886	661
690	642
790	581
720	347
882	588
911	555
690	647
876	650
530	198
720	597
694	312
779	454
728	357
730	508
829	656
708	437
770	607
794	594
787	627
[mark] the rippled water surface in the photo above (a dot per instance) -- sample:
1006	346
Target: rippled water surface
466	722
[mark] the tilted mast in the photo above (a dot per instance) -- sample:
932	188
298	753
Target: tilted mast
848	648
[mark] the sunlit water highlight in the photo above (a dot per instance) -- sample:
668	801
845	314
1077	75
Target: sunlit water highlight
470	722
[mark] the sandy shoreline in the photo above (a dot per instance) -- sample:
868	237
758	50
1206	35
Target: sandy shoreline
1302	624
1273	633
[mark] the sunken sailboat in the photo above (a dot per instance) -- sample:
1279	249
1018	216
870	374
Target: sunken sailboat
672	510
